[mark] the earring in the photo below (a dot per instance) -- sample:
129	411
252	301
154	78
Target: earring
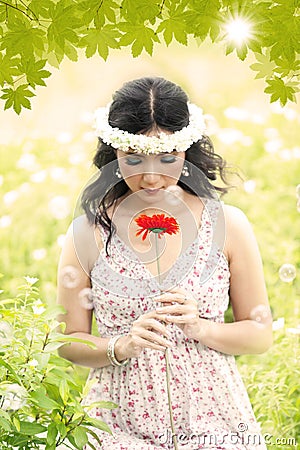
118	173
185	171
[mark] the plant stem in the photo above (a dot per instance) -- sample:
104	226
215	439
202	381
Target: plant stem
174	437
157	257
168	375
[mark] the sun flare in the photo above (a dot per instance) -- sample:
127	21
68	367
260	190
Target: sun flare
238	30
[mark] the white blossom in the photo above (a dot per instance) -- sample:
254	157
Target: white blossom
165	143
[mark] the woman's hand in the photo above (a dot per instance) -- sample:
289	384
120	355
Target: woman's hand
148	331
182	309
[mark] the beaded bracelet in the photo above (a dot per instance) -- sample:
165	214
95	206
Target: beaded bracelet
111	352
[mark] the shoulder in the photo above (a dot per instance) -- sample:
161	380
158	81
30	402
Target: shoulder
85	239
238	230
234	217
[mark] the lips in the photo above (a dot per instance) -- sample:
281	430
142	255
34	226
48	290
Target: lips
151	191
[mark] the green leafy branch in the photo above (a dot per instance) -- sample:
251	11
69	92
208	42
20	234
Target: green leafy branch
41	394
36	33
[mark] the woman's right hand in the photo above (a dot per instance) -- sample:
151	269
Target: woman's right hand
148	331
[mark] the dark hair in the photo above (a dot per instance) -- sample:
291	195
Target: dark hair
138	107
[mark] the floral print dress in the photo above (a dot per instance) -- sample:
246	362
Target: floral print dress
210	404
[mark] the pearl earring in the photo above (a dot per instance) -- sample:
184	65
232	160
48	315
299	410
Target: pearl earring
185	171
118	173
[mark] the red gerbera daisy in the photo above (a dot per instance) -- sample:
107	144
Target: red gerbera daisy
158	223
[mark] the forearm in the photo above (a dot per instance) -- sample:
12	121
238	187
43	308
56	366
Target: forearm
83	355
237	338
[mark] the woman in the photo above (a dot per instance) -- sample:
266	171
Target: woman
164	294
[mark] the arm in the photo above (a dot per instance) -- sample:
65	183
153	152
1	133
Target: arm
247	292
80	250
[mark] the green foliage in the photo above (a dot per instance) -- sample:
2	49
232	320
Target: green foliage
40	394
39	31
275	384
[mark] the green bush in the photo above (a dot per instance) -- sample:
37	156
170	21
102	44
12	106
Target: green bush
41	394
274	388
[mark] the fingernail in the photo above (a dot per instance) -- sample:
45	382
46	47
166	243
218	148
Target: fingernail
159	310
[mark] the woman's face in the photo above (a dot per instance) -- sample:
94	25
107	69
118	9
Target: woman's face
150	175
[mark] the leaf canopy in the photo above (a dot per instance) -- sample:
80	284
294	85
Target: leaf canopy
36	33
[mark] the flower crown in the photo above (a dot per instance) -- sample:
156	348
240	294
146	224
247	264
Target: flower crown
140	143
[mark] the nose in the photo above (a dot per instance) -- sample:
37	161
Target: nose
151	178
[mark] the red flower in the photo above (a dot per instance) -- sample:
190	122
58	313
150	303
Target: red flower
158	223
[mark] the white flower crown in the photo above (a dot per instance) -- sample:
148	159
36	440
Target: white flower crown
140	143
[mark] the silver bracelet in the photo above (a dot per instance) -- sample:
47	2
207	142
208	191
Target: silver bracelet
111	352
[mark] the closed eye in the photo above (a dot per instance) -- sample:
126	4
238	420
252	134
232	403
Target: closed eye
168	159
133	160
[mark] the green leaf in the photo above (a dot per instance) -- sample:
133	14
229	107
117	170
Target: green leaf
61	32
16	423
173	27
31	428
98	424
96	437
101	404
280	91
80	437
5	424
64	391
17	98
40	8
100	40
23	39
286	67
142	37
11	370
52	433
264	66
34	73
242	51
40	397
138	11
70	51
8	69
5	420
62	429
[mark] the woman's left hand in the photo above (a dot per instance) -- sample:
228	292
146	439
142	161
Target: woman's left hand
181	308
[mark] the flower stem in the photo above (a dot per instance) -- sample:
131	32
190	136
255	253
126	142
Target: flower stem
168	375
157	257
174	438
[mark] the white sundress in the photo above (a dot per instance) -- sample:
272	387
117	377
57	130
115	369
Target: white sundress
210	404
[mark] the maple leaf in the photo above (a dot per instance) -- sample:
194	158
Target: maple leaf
99	12
101	40
264	67
22	39
40	8
34	72
17	98
140	36
280	91
8	69
174	25
62	32
286	67
138	11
